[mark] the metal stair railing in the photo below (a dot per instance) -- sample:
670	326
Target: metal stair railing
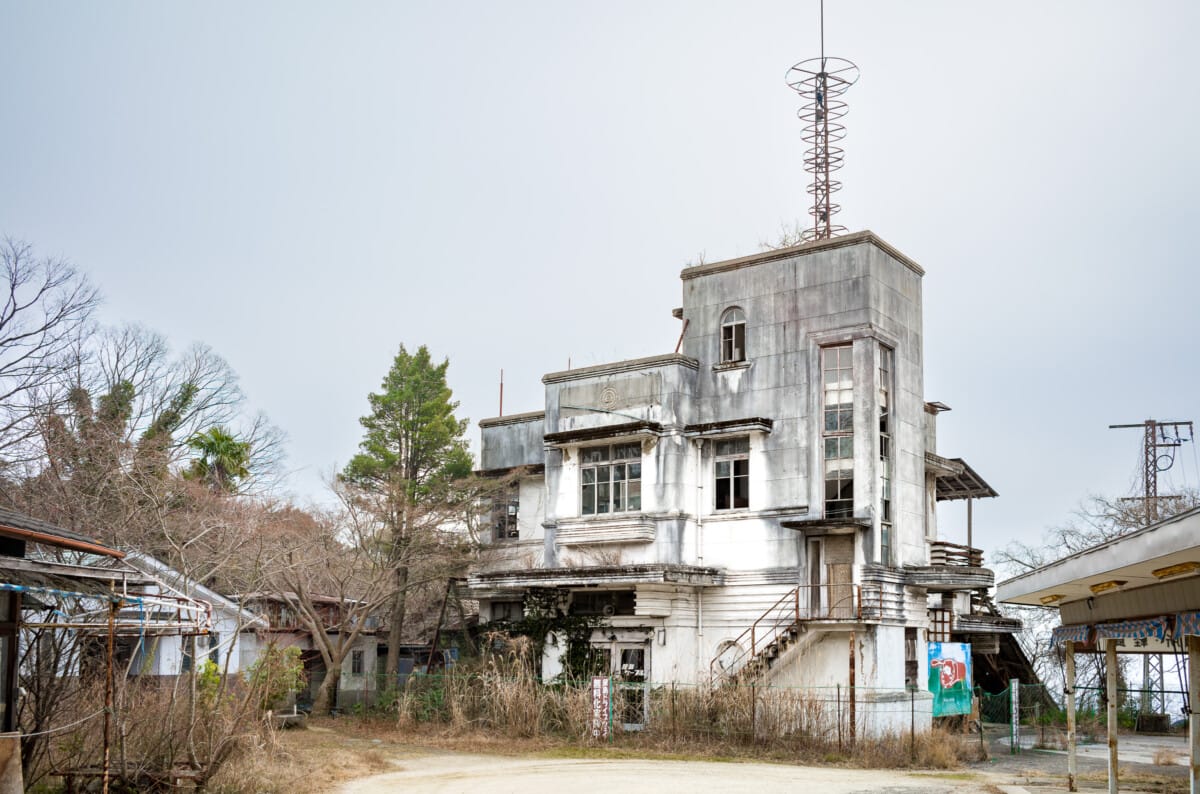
784	619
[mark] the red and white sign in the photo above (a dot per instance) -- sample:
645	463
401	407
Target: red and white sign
601	703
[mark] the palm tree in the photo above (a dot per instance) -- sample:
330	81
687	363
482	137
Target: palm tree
223	459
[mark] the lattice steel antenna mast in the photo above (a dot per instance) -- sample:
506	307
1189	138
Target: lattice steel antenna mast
1157	436
821	82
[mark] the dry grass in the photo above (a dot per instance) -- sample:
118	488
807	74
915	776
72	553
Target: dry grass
1165	756
501	708
470	711
314	759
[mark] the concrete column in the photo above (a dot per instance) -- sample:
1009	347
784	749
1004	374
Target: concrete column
1070	692
1193	651
1110	669
10	764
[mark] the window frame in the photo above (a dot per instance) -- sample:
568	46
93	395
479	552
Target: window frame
734	459
357	661
837	430
732	336
616	480
505	514
887	395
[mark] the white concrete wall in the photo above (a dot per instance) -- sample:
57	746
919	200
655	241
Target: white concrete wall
846	292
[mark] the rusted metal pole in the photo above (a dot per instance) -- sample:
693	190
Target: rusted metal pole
1110	680
912	728
970	538
1070	693
839	716
853	705
1193	653
108	697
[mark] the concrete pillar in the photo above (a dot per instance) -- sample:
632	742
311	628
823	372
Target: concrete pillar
1193	651
1110	669
1070	692
11	781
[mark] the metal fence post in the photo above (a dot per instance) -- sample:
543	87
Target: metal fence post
1014	721
913	726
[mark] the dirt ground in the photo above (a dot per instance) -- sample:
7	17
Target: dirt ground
1146	762
354	758
457	772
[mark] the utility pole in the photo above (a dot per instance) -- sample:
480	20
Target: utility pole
1159	442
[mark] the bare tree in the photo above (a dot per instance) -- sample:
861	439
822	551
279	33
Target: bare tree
1097	520
337	573
47	311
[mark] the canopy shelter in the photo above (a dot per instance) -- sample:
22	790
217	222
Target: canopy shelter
1138	593
66	581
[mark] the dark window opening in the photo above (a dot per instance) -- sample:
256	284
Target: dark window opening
733	336
910	659
603	602
508	610
504	515
732	470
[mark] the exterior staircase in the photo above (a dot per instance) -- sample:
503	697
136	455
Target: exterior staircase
795	616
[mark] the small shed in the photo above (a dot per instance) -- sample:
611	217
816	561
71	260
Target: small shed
1138	593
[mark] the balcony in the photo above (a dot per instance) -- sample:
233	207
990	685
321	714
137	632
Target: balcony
951	568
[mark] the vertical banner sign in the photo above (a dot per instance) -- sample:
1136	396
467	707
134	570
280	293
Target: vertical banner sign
950	678
601	707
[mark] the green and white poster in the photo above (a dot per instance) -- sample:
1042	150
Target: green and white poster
950	678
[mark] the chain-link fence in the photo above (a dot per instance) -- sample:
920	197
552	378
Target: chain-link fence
1040	719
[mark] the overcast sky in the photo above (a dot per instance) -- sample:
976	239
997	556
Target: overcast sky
304	186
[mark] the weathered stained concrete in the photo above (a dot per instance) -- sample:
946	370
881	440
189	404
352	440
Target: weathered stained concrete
854	290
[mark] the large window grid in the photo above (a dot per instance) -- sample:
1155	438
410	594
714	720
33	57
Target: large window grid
733	336
732	469
611	479
887	364
837	370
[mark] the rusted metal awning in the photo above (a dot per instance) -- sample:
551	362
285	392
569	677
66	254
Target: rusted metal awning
965	484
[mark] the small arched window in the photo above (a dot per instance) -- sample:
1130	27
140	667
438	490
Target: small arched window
733	335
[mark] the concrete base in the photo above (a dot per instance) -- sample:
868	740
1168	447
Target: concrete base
11	780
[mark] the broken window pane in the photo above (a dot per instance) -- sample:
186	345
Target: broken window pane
733	336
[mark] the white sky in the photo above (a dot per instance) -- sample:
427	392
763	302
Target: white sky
304	186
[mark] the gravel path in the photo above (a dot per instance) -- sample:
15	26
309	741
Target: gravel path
452	774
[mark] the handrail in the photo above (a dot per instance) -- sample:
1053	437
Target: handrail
833	602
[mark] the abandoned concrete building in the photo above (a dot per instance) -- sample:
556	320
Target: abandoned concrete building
761	502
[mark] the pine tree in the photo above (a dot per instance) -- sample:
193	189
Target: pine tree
413	449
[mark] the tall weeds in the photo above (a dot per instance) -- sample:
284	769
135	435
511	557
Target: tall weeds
503	696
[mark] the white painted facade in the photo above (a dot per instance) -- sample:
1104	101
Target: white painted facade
167	654
704	556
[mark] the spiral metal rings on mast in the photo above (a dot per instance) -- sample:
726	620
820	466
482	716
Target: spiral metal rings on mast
821	82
